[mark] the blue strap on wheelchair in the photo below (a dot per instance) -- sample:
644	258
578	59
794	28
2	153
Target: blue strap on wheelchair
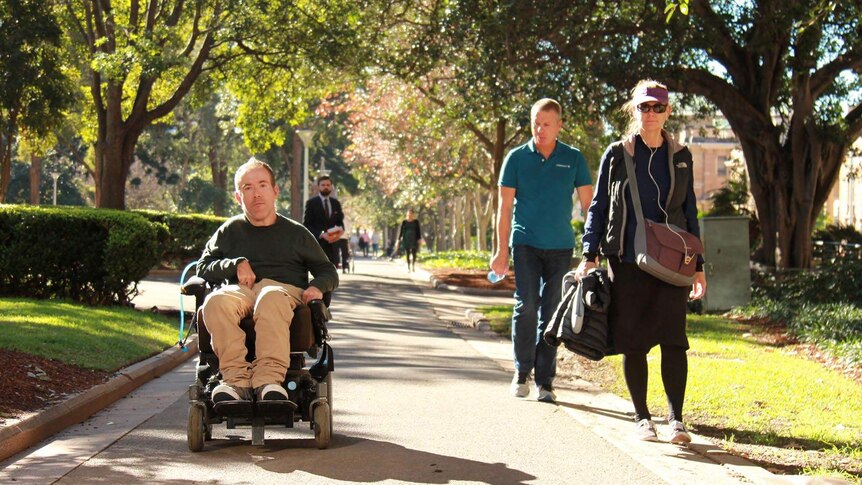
180	340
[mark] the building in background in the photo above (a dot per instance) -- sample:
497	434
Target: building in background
715	152
844	205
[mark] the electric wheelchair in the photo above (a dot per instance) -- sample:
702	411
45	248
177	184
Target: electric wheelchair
309	387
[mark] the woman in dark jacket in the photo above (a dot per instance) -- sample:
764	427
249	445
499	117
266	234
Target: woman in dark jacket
410	235
645	311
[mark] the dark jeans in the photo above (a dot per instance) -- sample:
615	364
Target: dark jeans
538	290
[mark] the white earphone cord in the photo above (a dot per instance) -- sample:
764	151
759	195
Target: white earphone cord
658	195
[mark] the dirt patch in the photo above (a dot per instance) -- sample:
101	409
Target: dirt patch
29	383
473	279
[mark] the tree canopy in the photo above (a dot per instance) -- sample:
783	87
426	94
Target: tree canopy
785	75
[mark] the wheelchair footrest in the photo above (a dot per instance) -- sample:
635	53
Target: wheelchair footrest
274	408
234	408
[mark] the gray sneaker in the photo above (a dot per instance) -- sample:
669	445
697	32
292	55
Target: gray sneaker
545	393
519	387
645	430
679	434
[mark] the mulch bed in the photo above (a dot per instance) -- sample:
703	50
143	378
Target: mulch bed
29	383
473	279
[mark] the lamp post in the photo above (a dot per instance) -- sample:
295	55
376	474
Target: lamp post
55	176
305	136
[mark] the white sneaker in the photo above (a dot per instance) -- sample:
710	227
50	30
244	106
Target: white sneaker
271	392
645	430
679	434
519	387
226	392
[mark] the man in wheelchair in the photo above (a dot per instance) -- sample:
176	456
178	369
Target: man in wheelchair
263	260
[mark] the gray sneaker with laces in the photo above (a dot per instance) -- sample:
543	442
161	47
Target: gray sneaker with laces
546	393
645	430
679	434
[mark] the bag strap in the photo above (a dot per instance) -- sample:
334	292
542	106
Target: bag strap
633	187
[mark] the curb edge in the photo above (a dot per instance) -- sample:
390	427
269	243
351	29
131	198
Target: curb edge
28	432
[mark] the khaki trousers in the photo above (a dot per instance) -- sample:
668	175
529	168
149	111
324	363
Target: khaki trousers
271	304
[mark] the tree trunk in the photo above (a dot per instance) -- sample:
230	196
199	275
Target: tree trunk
35	179
218	169
7	138
296	202
112	165
789	184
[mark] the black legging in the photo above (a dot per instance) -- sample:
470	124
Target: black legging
408	252
674	372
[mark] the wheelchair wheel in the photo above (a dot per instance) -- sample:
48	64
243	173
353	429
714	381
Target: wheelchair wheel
322	425
197	429
328	382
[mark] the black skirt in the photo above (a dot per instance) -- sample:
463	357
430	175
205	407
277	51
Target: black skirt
645	311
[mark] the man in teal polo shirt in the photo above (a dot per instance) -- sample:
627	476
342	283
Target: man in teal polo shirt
538	180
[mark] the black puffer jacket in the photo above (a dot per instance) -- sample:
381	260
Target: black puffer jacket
581	321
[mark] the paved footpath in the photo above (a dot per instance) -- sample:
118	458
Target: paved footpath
418	398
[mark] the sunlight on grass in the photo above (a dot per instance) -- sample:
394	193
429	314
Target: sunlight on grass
499	318
769	394
455	259
751	392
104	338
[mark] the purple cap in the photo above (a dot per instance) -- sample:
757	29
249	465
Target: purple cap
644	94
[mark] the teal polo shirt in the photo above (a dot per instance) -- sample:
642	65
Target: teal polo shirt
543	194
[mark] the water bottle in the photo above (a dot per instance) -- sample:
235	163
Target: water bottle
495	278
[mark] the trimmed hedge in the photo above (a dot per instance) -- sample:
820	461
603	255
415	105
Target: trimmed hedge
187	234
93	256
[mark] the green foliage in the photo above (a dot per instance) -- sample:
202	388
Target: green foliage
186	235
730	200
812	286
578	227
19	187
672	7
199	196
819	306
106	338
455	259
838	233
86	255
34	90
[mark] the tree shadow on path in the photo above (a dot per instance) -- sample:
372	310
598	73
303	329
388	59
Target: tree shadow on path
365	460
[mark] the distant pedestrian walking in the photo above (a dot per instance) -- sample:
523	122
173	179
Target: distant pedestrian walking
364	242
410	238
375	243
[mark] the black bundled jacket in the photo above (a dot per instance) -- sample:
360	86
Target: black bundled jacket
581	321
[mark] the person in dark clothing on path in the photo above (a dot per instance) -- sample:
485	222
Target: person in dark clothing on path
324	218
645	311
264	259
410	236
537	184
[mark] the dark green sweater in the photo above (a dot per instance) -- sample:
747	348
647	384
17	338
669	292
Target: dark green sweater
284	252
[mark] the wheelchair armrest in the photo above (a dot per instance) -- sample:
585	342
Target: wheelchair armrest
195	286
319	310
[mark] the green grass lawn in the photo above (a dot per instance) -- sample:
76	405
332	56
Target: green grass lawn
103	338
455	259
751	392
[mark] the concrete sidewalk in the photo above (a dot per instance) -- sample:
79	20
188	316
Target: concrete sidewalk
605	414
608	415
